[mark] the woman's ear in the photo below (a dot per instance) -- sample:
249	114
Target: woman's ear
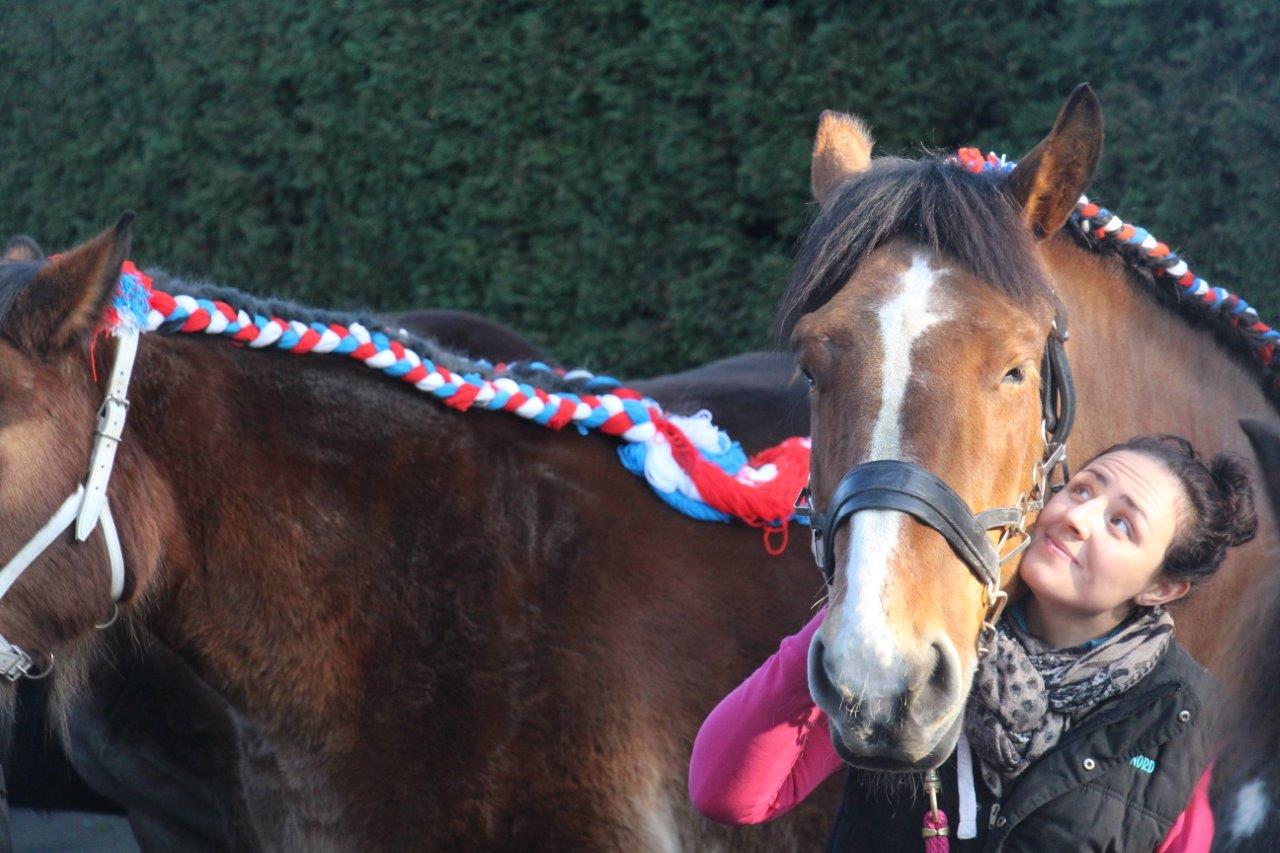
1162	591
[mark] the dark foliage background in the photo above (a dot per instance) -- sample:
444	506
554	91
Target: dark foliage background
623	181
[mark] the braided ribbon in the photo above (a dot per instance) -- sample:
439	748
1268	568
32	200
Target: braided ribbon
1215	304
688	471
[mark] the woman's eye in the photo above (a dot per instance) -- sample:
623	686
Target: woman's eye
1122	524
1015	376
1080	491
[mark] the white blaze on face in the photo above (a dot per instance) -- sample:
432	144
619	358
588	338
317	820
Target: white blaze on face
864	659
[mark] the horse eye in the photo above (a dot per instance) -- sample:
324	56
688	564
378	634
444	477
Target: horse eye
808	377
1015	376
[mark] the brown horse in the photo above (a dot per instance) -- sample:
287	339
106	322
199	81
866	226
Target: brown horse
435	629
151	734
921	305
147	732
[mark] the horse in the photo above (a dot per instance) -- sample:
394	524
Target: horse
1245	790
151	734
432	628
928	300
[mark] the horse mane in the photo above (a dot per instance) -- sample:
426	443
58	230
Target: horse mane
961	214
1162	291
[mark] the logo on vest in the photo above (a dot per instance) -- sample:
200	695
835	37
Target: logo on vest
1146	765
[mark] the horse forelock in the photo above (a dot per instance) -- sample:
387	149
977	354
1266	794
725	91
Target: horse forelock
967	219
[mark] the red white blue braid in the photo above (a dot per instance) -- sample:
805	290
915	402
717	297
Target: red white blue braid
691	463
1214	303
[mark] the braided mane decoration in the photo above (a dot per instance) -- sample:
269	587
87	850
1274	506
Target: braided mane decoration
689	462
1211	303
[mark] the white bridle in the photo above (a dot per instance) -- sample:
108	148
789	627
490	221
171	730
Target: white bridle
87	506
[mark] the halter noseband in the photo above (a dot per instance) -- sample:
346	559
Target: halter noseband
87	506
902	486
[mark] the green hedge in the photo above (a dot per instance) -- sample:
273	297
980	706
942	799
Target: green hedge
623	181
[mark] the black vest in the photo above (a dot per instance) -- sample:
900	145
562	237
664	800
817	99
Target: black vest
1117	780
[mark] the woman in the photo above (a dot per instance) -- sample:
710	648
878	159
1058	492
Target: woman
1083	665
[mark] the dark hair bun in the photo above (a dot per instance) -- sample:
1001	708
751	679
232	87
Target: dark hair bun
1238	519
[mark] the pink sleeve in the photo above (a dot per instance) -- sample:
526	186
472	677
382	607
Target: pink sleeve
1192	832
766	745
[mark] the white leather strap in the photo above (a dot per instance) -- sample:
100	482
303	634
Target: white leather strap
115	556
968	827
35	546
115	406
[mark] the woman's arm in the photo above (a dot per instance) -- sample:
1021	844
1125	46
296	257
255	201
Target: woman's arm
766	745
1192	832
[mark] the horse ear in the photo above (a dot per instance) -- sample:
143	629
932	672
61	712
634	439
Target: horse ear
841	149
21	248
1265	439
67	298
1050	179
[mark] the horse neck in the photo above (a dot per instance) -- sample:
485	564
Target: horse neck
265	462
1141	368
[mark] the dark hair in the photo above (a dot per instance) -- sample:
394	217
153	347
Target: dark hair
1220	494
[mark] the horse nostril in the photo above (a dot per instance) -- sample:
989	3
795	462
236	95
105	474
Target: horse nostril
940	677
939	692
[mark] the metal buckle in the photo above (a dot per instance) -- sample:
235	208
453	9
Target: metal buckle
994	601
932	785
105	414
804	509
19	664
804	504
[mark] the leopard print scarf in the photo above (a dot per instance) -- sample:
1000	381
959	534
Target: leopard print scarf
1026	695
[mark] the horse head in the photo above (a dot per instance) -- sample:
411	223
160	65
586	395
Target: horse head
920	311
50	312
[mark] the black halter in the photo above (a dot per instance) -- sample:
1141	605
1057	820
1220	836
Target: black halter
903	486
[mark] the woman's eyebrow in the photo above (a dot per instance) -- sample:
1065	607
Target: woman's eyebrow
1106	481
1134	505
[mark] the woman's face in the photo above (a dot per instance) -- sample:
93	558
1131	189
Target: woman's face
1099	541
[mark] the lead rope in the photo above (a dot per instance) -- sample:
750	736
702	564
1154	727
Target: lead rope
935	829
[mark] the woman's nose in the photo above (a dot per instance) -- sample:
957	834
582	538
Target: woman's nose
1079	518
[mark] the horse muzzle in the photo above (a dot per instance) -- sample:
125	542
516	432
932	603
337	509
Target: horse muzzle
910	730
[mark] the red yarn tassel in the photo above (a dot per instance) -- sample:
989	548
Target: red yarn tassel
766	504
935	832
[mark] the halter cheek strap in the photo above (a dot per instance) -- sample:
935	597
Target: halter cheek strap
86	507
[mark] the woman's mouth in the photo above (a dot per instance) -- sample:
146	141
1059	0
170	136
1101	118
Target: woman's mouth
1056	547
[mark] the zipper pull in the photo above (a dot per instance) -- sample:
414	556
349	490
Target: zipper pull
995	812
